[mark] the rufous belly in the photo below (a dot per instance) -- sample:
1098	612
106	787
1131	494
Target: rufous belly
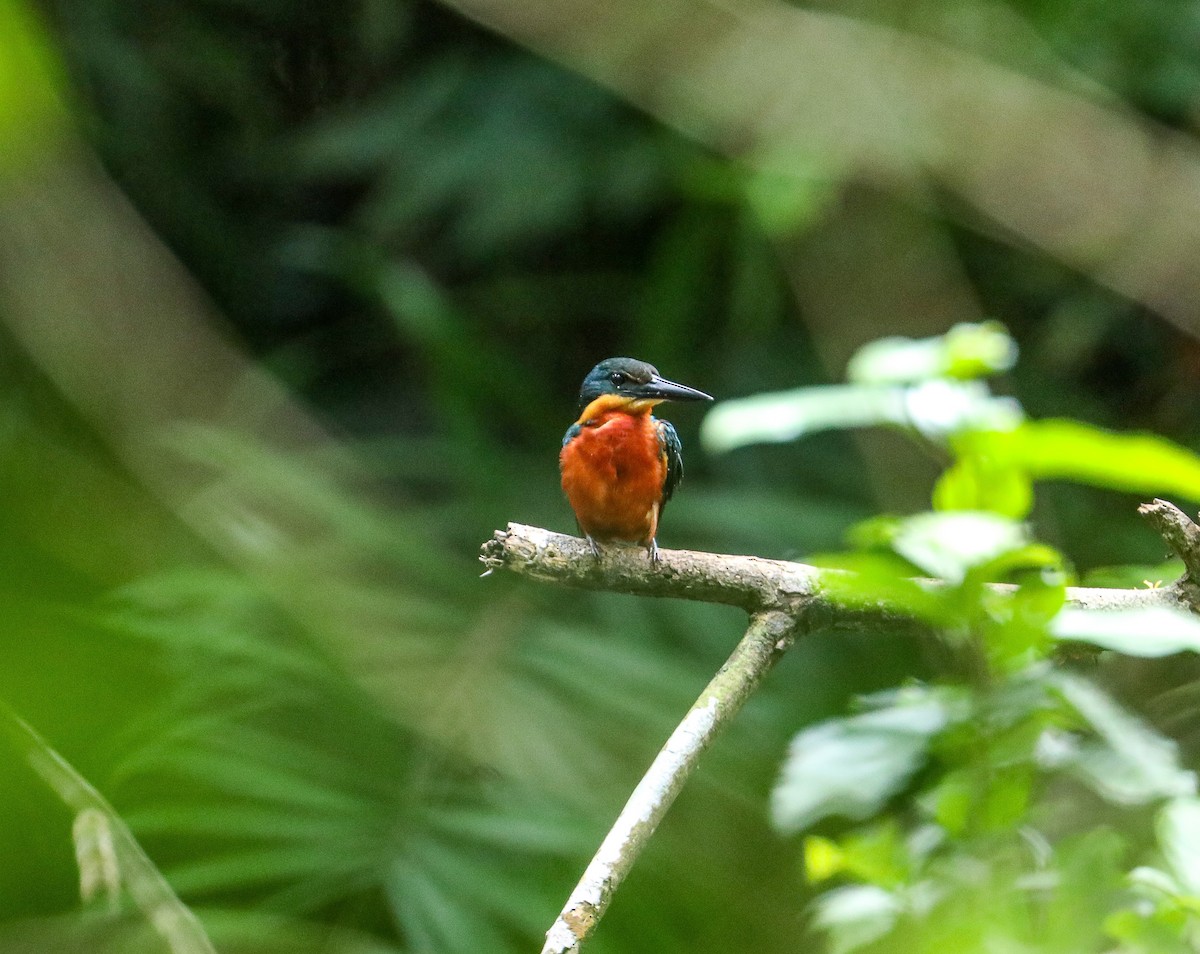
612	474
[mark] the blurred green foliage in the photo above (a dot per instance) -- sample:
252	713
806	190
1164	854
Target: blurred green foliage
975	833
430	235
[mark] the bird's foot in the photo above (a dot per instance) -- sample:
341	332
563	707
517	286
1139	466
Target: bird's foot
655	556
595	547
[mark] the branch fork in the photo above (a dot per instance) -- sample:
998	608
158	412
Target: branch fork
1180	534
782	600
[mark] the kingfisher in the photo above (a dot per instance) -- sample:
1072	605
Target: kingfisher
620	464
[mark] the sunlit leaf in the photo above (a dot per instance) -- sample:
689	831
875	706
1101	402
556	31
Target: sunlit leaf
1148	631
851	766
31	105
947	545
962	802
940	409
1155	931
823	858
934	409
1071	450
976	483
789	415
1178	829
1039	584
1154	881
1015	624
855	916
877	854
965	351
951	801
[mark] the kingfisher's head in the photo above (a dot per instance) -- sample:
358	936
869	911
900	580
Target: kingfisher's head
634	381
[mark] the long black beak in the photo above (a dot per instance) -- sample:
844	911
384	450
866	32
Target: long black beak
658	387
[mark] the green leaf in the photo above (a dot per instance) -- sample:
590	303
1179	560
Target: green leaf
878	854
1154	882
788	415
965	351
855	916
256	867
977	483
1148	931
102	839
1178	829
939	409
513	831
31	79
1125	761
1015	633
979	350
823	859
967	800
934	409
852	766
1070	450
1148	631
947	545
951	801
873	580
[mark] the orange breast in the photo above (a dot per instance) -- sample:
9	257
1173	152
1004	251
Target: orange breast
612	474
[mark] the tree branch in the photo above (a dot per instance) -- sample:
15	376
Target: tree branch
752	583
782	598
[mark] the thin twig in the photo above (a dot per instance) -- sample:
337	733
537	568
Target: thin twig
768	637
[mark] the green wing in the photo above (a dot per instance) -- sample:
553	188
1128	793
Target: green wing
672	448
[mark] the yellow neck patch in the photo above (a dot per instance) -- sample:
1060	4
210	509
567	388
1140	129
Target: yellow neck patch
609	403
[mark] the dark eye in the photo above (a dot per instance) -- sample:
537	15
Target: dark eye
618	378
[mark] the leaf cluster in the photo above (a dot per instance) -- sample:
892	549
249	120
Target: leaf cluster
1013	801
